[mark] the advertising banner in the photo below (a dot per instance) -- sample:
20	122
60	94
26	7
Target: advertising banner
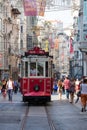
71	46
46	46
56	43
41	7
30	7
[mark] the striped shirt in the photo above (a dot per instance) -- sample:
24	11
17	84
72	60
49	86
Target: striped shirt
83	88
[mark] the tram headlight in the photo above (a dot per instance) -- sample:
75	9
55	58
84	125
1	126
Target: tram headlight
36	88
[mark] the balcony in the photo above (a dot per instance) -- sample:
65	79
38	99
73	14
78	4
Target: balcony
80	12
7	19
83	46
15	11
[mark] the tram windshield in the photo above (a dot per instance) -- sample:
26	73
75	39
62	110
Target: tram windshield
40	68
33	69
37	68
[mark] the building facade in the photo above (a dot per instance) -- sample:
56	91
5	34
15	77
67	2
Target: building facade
80	41
9	38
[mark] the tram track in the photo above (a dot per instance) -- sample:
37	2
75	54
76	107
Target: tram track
23	123
27	115
51	124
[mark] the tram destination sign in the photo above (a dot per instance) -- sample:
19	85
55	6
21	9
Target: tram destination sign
36	51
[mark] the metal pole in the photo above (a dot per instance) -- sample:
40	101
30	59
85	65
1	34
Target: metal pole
81	33
82	63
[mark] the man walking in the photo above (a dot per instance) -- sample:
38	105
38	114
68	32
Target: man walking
83	88
10	86
66	84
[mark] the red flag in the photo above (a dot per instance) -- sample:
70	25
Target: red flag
41	7
51	42
71	46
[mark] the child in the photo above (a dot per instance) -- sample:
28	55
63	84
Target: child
60	89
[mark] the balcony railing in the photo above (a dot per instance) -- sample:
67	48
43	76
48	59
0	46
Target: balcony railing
83	46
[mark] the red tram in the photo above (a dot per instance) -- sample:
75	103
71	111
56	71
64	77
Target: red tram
36	80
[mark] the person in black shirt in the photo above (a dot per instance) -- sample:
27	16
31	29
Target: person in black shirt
4	93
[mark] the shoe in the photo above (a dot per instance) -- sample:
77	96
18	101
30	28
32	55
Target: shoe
76	101
82	110
70	102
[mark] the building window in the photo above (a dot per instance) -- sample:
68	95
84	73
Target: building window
0	8
0	25
33	21
0	43
21	45
21	29
76	54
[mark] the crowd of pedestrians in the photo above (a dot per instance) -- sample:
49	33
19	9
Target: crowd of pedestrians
8	87
69	86
72	88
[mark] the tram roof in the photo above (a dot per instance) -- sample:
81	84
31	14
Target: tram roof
36	51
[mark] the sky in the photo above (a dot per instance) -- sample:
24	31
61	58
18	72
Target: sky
63	16
62	11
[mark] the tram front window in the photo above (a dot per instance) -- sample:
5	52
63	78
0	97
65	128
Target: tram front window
46	66
37	69
40	70
32	69
22	68
26	68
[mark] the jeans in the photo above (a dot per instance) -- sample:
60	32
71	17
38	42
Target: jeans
67	93
78	95
77	99
10	93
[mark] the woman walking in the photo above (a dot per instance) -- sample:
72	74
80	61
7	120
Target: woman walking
72	90
83	88
10	86
77	90
4	91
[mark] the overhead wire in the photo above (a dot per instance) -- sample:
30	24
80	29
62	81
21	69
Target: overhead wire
51	8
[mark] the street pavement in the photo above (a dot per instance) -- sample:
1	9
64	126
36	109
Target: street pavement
17	98
64	115
55	97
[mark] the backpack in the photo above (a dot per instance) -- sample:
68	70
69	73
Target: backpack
55	87
15	84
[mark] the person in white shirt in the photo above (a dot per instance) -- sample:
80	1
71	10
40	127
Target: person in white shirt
33	72
83	87
10	85
77	89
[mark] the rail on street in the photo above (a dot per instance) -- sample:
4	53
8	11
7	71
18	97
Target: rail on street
55	115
